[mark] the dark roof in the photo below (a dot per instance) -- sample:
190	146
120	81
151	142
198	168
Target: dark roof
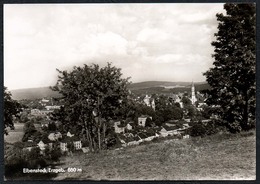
142	135
169	128
30	144
67	139
121	126
144	116
172	121
136	138
46	140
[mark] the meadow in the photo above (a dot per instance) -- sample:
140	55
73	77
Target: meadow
16	134
222	156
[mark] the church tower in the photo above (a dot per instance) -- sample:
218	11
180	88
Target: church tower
193	97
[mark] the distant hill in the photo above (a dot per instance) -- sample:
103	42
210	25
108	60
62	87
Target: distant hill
33	93
150	84
148	87
151	87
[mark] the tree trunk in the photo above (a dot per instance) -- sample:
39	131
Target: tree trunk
245	113
104	130
89	140
99	139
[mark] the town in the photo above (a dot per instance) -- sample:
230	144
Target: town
128	132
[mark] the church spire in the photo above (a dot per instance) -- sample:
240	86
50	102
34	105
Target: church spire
193	97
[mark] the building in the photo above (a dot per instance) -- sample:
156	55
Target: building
118	127
130	126
29	145
52	107
166	130
68	141
142	120
149	102
193	97
41	145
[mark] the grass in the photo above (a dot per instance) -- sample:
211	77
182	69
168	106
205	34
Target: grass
16	134
217	157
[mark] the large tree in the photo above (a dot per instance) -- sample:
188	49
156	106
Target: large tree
11	109
232	79
91	97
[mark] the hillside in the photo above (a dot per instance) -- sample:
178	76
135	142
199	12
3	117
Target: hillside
33	93
159	87
218	157
148	87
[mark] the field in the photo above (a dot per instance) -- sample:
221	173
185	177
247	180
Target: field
218	157
16	134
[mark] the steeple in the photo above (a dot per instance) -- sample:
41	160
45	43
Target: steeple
193	97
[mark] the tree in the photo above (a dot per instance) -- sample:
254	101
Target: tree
148	122
232	79
29	130
186	101
11	109
91	97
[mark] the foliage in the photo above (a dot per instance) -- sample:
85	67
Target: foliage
166	110
232	79
91	96
29	130
52	127
186	101
202	129
148	122
11	109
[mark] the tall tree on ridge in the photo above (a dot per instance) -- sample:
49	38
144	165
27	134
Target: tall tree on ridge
232	79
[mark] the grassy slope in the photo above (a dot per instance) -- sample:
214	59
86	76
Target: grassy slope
217	157
16	134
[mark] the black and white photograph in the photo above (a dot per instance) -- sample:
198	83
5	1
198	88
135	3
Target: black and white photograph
129	91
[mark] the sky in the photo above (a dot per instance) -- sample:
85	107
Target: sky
149	42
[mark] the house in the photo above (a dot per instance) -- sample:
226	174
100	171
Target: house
45	124
171	122
128	140
149	101
52	107
54	136
45	100
41	145
29	145
142	120
130	126
142	136
119	128
205	120
186	136
35	111
68	141
187	120
151	134
166	130
70	135
85	150
45	112
63	146
77	144
186	125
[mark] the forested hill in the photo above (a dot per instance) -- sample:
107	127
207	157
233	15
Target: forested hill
33	93
148	87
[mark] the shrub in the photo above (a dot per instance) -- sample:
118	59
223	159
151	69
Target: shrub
203	129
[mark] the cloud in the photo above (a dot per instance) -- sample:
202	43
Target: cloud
148	41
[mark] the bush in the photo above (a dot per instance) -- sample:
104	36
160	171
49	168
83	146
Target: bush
15	167
203	129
